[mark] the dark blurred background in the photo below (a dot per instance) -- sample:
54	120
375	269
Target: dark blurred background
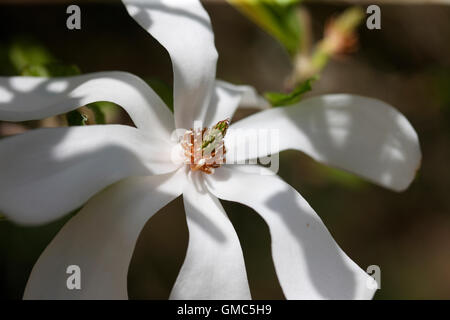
406	63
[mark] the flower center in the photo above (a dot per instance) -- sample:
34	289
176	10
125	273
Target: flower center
204	149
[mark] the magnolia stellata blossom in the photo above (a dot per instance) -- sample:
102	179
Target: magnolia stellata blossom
124	175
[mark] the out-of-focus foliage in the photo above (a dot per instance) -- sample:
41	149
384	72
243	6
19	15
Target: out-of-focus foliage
287	22
441	89
341	177
441	84
340	38
31	58
76	118
24	52
26	56
164	91
278	99
277	17
97	109
50	69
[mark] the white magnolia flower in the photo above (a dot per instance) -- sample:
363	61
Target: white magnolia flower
126	174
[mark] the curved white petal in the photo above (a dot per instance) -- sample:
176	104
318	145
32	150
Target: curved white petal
183	27
31	98
361	135
227	98
46	173
100	240
308	262
214	265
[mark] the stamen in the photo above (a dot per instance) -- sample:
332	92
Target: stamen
204	149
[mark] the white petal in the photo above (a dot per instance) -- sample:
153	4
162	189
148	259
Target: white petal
183	27
46	173
308	262
214	265
227	98
100	239
361	135
31	98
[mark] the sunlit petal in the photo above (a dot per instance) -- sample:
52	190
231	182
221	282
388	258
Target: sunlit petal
100	240
227	98
31	98
214	265
183	27
46	173
308	262
361	135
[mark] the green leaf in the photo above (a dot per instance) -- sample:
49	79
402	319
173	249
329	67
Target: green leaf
439	86
76	118
25	51
31	58
103	110
52	69
342	178
164	91
277	17
99	115
278	99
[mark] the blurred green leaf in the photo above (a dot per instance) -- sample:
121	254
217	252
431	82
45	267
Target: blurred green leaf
278	99
342	178
441	86
440	89
164	91
76	118
104	110
276	17
25	51
99	115
340	37
52	69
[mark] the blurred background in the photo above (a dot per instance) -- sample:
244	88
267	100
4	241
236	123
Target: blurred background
406	63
